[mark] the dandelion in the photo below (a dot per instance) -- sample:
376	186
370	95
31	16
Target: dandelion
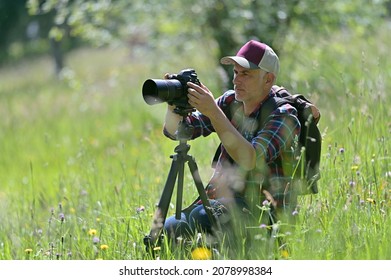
285	254
201	253
28	251
104	247
92	232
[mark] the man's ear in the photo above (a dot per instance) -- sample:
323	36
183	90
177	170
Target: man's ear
270	78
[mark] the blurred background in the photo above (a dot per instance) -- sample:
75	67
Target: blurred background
76	133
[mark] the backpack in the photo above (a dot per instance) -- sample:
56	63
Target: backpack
310	138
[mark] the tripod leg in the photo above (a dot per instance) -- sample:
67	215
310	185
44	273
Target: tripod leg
164	202
181	171
201	191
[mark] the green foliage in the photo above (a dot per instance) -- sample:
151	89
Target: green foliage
84	160
94	21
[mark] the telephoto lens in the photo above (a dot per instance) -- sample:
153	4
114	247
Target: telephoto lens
158	91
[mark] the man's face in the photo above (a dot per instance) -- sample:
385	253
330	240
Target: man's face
249	84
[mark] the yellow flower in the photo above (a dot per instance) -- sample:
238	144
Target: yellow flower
104	247
28	251
284	254
201	253
354	167
92	231
371	200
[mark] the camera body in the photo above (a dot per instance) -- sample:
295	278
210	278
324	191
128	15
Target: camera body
172	90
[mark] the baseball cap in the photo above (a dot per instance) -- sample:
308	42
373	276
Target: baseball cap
255	55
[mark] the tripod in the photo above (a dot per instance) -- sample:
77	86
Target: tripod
176	173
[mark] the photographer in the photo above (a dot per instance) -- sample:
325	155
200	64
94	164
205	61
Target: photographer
250	168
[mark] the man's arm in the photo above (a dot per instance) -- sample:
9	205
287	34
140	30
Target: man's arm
241	151
171	121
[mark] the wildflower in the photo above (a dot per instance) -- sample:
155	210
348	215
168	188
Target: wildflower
262	226
92	232
104	247
352	184
284	254
201	253
61	216
28	251
95	240
140	209
354	167
371	200
341	150
295	213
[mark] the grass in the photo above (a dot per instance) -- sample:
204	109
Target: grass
83	160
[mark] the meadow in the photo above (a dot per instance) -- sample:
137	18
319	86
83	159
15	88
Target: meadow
83	160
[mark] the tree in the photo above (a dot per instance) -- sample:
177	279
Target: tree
228	23
95	22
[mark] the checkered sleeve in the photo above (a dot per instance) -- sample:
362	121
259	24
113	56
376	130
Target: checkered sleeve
279	133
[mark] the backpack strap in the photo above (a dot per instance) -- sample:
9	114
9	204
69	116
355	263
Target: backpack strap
267	108
229	110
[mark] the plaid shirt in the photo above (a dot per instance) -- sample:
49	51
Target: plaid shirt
274	143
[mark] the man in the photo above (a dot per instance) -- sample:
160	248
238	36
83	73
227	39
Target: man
254	153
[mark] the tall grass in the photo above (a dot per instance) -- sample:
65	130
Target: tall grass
83	160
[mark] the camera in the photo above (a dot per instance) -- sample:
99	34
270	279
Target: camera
172	90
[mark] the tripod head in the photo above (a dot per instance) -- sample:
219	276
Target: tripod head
185	131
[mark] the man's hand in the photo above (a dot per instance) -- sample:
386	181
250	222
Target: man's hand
201	98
